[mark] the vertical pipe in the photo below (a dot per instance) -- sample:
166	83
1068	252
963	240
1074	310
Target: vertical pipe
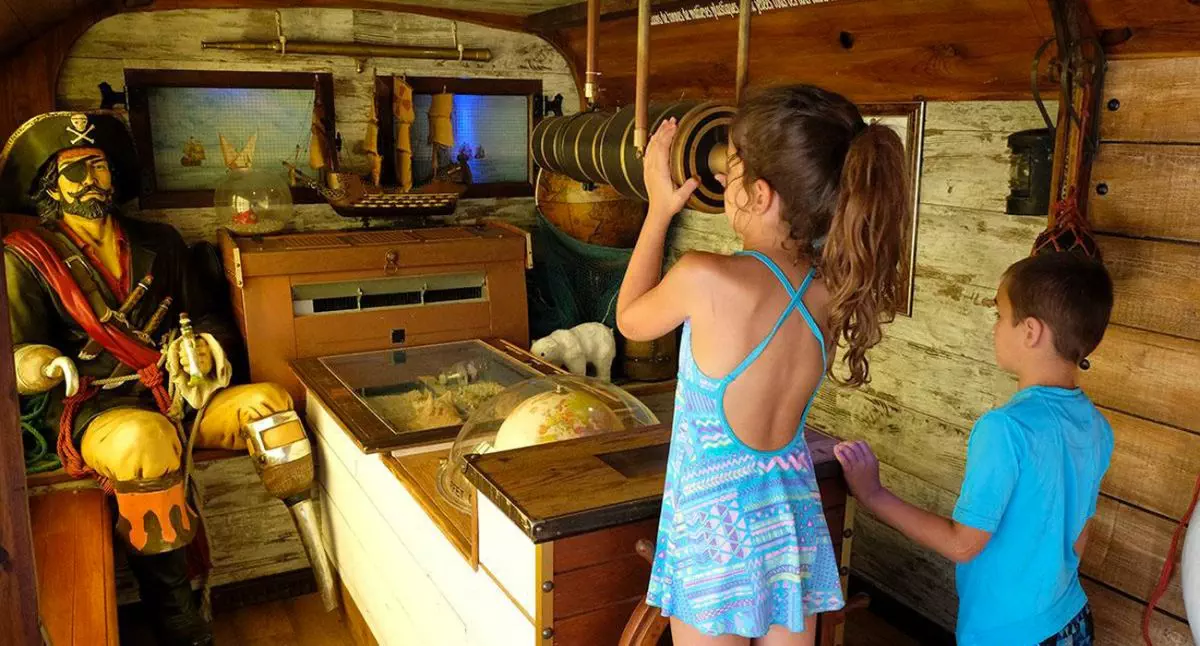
641	108
589	81
743	49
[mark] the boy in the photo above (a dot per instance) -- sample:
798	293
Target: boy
1033	470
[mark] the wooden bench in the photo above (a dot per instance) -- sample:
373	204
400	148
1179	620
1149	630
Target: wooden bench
77	591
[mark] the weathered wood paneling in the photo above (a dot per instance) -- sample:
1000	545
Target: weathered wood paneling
1157	100
1119	620
1155	284
1126	549
250	533
1146	374
137	40
1152	191
1154	466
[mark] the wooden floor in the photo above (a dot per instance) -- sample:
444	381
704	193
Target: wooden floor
303	622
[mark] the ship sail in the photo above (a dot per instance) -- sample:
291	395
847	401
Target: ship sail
235	159
371	141
402	109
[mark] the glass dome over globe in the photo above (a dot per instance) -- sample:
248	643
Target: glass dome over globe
538	411
253	202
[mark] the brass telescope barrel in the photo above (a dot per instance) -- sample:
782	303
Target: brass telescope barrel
482	55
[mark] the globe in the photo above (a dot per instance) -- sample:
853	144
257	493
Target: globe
554	416
601	216
253	202
538	411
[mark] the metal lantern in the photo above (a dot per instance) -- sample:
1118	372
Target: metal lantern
1031	170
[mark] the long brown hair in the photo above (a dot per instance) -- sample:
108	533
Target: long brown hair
844	191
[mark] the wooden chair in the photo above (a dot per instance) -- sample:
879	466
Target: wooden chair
77	588
647	626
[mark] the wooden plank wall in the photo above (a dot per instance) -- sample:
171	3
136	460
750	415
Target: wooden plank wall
934	374
1148	163
137	40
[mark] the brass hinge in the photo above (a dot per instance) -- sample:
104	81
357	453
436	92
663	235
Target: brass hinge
237	266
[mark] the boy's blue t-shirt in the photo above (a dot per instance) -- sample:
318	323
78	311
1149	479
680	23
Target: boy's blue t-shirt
1033	475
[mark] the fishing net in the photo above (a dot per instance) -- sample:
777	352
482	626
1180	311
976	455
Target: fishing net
572	282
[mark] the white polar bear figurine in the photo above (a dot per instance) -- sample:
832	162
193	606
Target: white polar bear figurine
575	348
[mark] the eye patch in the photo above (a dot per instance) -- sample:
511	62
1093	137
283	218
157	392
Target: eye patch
77	171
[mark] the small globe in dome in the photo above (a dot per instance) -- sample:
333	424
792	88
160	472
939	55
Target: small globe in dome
538	411
253	202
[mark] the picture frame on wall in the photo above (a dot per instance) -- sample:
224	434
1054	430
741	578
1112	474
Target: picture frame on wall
491	121
192	126
907	119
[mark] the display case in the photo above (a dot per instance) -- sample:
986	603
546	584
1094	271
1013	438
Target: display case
416	397
518	528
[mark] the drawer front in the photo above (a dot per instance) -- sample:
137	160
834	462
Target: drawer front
330	334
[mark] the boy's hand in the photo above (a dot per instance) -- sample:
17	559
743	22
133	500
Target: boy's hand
860	467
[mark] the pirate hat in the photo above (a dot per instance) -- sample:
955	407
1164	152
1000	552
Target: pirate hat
38	140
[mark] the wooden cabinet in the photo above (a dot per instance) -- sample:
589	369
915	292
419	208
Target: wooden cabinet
334	292
545	556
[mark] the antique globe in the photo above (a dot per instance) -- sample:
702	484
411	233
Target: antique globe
601	216
253	202
538	411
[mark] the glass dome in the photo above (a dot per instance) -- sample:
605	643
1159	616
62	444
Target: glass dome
538	411
253	202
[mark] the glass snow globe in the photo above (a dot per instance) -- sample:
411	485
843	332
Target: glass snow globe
538	411
253	202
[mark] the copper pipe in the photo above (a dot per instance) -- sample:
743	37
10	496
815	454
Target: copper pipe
743	49
641	101
357	50
589	81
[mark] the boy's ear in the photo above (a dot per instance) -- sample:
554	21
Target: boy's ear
1035	331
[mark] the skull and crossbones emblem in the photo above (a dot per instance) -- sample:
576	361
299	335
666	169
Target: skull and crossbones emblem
81	129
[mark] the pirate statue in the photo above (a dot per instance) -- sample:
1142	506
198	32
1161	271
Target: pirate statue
113	309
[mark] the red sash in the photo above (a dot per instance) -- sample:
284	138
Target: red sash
42	255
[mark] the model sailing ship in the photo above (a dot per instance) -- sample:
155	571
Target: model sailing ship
193	153
352	196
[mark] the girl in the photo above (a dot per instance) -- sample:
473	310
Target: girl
818	198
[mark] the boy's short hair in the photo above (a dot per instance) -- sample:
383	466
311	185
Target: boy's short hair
1070	293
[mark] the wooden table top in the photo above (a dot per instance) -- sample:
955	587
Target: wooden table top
561	489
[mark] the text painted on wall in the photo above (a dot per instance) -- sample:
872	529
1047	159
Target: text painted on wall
722	9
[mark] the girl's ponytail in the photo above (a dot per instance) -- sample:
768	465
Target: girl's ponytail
861	257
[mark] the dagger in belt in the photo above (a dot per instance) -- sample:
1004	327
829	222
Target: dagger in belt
118	318
144	335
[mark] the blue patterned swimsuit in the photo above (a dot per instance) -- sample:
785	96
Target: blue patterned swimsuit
742	540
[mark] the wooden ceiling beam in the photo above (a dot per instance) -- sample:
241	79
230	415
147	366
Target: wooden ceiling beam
576	14
487	19
869	50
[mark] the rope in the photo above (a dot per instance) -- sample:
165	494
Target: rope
1164	578
37	458
71	459
151	376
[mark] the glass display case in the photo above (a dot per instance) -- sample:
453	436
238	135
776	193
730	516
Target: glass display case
423	394
538	411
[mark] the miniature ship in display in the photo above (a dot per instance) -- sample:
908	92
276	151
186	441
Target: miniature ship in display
351	197
193	153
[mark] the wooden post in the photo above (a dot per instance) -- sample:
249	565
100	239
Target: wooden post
589	81
641	107
743	50
1072	160
18	592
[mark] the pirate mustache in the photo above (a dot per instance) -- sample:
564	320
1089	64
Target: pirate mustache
90	189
